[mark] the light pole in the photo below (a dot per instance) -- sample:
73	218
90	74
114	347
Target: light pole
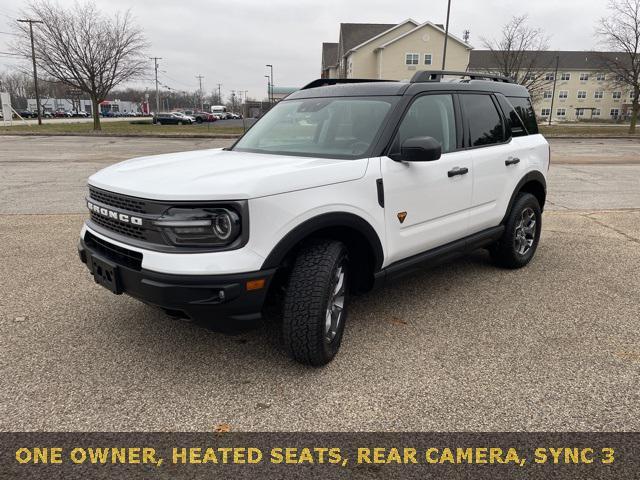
271	91
553	93
35	70
200	77
155	62
269	86
446	36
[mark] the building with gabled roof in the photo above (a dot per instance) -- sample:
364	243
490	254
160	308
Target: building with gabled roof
391	50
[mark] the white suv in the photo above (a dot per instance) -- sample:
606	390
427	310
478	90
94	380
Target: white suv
343	185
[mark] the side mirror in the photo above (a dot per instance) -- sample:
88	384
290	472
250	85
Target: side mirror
420	149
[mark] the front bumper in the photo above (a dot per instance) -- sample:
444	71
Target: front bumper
199	297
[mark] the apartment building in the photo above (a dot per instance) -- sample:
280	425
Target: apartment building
583	88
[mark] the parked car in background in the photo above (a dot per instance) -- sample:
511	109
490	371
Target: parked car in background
79	114
62	114
185	116
27	114
171	118
235	116
201	117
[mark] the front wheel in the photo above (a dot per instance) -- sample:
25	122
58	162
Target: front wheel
315	303
520	239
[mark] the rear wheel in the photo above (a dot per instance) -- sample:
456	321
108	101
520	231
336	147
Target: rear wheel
519	241
315	303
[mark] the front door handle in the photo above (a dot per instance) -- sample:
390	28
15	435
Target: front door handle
512	161
458	171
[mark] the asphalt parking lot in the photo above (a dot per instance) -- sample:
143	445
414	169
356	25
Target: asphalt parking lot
466	346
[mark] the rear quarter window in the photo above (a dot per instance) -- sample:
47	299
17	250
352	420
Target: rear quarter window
514	122
525	110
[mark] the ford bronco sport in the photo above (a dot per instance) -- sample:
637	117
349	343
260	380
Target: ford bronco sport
343	185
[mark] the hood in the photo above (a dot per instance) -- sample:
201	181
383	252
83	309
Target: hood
218	174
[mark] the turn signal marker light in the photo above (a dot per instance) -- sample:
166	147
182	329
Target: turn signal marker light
255	284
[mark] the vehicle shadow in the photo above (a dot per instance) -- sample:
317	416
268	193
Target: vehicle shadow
260	343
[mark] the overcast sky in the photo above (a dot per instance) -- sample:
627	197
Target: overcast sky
229	42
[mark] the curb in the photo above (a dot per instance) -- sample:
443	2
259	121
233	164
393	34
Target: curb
126	135
594	137
237	135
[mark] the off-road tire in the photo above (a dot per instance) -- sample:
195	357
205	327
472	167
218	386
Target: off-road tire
309	291
504	252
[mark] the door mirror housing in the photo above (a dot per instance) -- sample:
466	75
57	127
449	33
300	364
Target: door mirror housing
420	149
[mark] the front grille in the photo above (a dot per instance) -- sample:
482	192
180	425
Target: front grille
133	231
119	255
119	201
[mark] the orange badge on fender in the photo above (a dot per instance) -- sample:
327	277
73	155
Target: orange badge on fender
402	216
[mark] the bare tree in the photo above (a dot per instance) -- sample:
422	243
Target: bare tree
519	54
620	32
84	49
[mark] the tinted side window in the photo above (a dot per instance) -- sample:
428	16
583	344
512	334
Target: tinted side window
525	111
514	122
485	123
429	116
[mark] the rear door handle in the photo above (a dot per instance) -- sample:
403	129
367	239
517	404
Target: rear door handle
458	171
512	161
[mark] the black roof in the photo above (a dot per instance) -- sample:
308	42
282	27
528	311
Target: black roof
567	60
353	34
386	88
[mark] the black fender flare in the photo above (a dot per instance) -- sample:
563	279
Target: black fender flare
531	176
320	222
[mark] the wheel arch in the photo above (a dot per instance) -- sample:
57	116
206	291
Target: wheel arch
533	183
351	229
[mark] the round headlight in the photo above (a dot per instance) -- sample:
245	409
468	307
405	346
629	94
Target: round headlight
223	226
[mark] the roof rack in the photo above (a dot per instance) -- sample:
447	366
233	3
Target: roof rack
323	82
436	76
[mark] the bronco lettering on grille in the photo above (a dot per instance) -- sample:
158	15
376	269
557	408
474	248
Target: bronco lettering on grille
105	212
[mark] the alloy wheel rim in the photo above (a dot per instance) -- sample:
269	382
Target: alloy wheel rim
525	231
335	307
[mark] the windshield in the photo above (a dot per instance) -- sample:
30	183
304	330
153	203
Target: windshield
338	127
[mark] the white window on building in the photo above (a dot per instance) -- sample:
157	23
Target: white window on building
561	112
579	112
614	112
595	112
547	94
565	76
563	94
582	94
411	59
548	76
584	77
428	59
619	78
616	95
601	77
529	77
545	112
598	94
